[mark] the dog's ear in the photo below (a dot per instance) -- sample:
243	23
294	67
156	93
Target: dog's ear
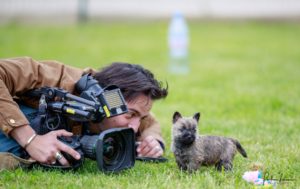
197	116
176	116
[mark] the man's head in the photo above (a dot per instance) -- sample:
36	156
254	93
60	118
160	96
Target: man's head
132	79
139	88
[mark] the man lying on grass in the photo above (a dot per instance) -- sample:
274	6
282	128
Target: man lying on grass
19	75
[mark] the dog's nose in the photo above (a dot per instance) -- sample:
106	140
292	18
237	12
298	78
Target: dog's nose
191	137
187	134
188	138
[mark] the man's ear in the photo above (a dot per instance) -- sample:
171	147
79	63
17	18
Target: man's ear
176	116
197	116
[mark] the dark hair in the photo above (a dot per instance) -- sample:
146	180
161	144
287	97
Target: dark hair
132	79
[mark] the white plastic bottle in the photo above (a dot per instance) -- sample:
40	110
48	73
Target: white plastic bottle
178	40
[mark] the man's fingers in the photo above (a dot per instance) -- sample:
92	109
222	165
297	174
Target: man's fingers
154	152
141	146
146	143
61	159
144	151
150	147
62	132
65	148
158	153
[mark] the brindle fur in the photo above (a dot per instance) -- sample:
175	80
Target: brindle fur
192	150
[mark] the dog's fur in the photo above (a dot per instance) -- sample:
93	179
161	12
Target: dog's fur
192	150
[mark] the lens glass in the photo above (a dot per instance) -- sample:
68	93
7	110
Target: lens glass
113	149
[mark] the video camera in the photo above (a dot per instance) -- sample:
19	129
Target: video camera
113	149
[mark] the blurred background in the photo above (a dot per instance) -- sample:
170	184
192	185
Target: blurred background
236	61
228	51
225	46
71	10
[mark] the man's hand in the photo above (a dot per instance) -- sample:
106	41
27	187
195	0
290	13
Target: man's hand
44	148
149	147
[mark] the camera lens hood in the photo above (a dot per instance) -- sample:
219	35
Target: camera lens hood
115	149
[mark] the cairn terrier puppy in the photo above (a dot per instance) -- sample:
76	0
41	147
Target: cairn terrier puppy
192	150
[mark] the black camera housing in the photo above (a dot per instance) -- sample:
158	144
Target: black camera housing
123	157
109	101
72	142
114	149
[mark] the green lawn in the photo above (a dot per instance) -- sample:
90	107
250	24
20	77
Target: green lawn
244	79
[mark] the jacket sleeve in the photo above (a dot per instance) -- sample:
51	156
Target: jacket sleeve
18	75
150	126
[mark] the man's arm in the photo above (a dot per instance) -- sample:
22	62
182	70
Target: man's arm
19	75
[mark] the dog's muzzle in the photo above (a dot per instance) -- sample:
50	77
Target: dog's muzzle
187	138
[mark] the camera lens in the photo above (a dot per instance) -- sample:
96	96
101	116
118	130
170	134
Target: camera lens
113	150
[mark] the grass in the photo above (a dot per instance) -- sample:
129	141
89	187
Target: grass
244	80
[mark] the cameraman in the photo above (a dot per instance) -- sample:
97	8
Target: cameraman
18	75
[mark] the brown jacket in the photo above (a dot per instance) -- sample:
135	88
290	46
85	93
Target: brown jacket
18	75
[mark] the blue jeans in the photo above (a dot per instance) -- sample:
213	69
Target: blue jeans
8	144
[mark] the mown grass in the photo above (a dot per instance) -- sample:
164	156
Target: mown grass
244	80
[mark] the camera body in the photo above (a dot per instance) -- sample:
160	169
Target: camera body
114	149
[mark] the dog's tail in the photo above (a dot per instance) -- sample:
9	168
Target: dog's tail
239	147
